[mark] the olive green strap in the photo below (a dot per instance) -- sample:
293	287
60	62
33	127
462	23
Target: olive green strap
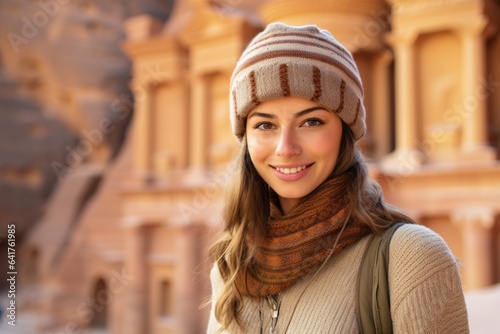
374	309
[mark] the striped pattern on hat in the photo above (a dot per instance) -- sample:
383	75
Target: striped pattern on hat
302	62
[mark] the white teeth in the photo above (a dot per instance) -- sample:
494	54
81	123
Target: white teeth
291	170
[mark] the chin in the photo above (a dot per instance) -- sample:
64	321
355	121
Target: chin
291	195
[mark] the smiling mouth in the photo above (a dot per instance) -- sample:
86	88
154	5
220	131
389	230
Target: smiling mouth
292	170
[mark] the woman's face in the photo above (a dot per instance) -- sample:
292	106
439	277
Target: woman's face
294	144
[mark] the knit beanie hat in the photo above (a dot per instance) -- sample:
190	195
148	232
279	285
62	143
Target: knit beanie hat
301	61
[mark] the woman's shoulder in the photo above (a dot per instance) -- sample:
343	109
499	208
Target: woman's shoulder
215	275
216	280
425	283
413	240
419	256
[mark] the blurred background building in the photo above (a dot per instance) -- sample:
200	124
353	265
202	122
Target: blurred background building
115	141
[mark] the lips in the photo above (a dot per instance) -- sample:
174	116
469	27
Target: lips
292	170
291	173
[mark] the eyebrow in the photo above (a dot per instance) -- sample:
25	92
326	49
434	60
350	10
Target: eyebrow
296	115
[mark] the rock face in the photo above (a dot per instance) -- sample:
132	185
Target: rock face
29	142
64	96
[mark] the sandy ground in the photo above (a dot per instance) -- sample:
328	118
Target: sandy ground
484	310
483	307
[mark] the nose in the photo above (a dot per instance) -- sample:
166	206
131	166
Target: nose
288	145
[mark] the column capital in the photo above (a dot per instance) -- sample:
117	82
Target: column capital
478	26
474	217
402	38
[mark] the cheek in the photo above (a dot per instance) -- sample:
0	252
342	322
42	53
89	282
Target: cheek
328	146
256	149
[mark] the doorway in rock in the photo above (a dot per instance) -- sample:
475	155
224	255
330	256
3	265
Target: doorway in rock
100	305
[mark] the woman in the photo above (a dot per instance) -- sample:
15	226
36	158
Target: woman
301	206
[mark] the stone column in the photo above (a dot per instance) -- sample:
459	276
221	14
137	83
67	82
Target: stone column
199	121
187	299
142	135
406	115
136	310
474	94
407	157
477	234
380	91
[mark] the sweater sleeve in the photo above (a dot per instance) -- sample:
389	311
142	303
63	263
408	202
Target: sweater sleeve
217	284
425	284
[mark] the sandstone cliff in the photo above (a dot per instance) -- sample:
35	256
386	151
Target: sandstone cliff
64	95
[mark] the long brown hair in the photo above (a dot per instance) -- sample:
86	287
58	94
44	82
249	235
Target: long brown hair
246	212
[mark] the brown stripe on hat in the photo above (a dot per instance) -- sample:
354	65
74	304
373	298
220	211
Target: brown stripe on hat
285	85
316	78
341	104
253	88
235	104
355	116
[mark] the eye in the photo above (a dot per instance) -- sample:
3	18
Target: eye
264	126
313	122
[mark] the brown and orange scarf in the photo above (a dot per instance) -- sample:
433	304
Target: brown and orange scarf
300	241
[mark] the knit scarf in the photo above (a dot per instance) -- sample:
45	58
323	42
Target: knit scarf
296	243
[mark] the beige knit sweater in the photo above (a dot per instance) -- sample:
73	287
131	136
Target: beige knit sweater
426	292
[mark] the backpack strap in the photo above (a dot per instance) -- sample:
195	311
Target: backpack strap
374	309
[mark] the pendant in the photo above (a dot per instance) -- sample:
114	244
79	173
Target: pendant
274	306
